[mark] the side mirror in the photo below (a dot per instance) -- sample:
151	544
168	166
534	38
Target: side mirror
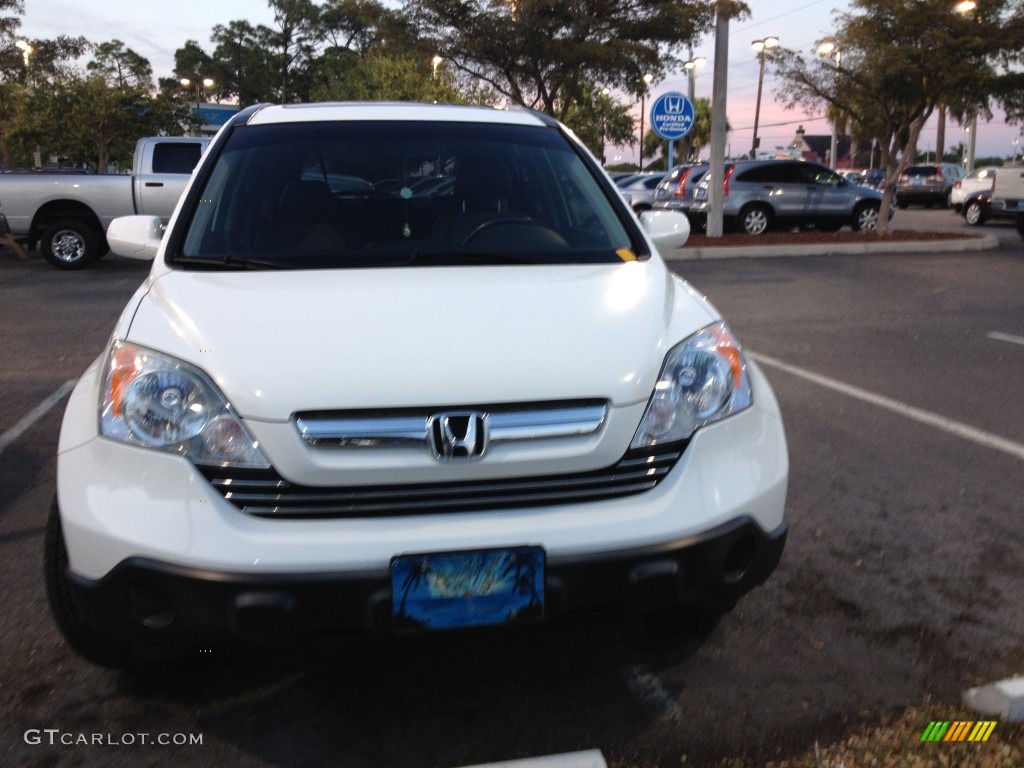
668	229
135	237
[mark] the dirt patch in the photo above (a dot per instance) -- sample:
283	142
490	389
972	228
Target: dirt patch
812	238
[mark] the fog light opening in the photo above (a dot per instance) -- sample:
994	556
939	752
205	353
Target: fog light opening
150	606
739	560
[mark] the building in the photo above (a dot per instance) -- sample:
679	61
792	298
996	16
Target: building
817	148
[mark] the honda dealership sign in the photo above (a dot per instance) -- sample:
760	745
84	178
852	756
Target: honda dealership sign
672	116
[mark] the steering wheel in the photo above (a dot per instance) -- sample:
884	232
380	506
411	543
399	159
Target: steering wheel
497	221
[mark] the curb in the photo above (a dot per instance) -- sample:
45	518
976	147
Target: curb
1004	699
958	245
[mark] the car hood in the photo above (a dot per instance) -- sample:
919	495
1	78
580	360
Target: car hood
281	342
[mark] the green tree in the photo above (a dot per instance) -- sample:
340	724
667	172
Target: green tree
899	59
293	45
241	65
600	120
546	54
120	67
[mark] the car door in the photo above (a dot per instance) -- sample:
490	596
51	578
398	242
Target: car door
828	194
784	185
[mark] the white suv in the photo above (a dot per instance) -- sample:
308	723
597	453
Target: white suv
405	368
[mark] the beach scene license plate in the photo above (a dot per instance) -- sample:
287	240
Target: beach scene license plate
467	589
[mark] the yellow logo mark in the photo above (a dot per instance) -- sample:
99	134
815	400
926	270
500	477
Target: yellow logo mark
959	730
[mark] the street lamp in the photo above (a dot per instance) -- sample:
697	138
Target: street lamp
831	50
760	46
435	63
643	99
964	8
199	85
26	51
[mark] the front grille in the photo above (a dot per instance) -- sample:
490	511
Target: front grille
264	493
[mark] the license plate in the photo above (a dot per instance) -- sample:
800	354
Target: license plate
467	589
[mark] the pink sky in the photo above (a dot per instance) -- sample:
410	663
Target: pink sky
799	27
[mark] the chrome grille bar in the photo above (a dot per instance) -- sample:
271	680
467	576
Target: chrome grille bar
264	493
380	430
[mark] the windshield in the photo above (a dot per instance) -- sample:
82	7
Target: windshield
339	194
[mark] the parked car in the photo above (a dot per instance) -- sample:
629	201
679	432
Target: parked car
675	191
854	177
982	207
979	180
638	190
874	178
395	413
927	185
763	194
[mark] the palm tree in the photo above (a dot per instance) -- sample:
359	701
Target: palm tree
417	573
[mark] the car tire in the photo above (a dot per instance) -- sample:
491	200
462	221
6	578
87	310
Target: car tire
71	243
1019	224
755	219
902	205
88	640
865	217
974	214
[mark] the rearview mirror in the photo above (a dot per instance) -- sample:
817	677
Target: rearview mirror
668	229
135	237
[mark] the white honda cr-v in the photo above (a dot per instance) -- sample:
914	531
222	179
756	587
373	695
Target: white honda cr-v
405	368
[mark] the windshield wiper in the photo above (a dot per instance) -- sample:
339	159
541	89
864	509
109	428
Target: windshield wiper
233	261
458	258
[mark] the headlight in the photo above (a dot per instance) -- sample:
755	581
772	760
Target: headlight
703	379
154	401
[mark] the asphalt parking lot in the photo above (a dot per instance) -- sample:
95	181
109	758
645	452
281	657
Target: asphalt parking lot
899	377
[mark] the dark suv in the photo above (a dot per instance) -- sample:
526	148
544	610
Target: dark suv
927	185
763	194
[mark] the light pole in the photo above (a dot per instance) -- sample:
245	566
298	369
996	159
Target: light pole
964	8
199	85
26	52
604	95
832	51
760	46
691	68
643	101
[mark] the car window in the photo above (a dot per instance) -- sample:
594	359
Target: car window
920	170
175	157
815	174
312	195
783	173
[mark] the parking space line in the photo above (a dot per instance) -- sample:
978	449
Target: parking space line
35	414
951	426
1006	337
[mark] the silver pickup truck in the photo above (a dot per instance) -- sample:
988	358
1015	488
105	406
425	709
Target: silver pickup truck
67	214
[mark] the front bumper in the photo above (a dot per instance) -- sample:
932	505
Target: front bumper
158	557
163	607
